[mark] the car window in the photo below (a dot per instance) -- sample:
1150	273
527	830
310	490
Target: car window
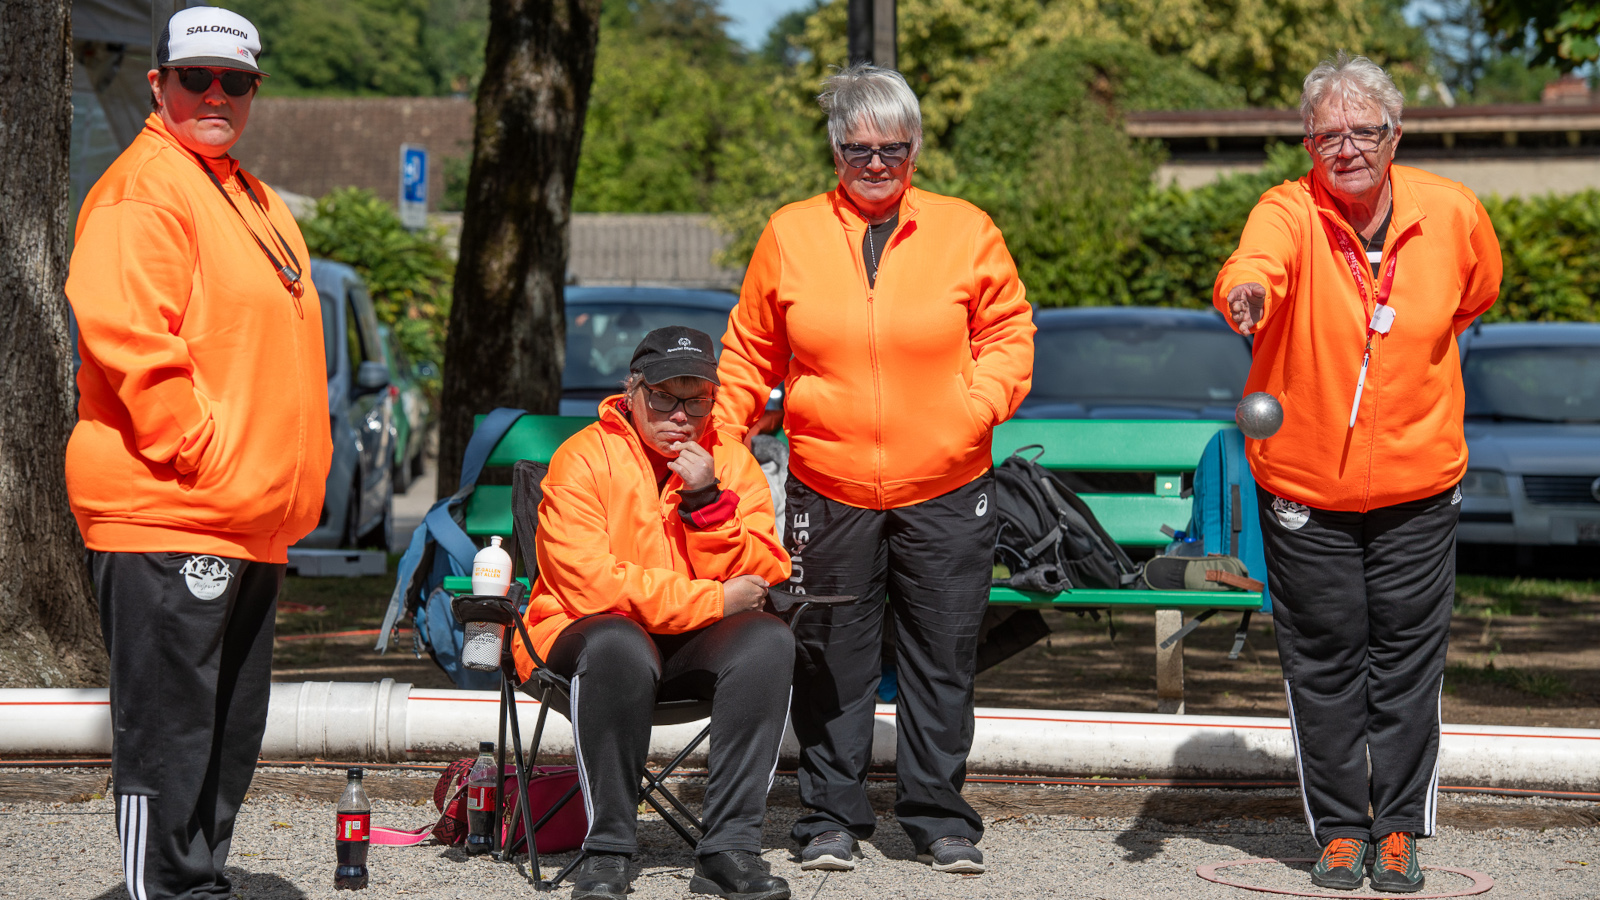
330	330
361	329
601	338
1556	384
1123	364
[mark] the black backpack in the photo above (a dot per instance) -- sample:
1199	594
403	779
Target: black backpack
1044	524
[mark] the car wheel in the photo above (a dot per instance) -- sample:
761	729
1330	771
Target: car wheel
417	465
381	537
402	477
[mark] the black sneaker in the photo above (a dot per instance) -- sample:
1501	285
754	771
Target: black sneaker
737	875
955	855
832	851
600	876
1343	862
1396	868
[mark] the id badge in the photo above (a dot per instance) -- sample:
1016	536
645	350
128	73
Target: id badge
1382	318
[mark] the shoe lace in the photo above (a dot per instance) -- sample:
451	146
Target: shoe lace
606	861
1342	853
1394	852
745	860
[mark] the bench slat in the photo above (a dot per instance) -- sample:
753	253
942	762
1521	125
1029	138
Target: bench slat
1135	520
536	437
1235	600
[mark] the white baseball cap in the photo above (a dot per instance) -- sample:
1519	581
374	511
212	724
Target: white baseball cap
209	36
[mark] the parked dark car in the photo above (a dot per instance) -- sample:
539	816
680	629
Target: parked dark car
1533	434
413	413
605	324
1135	362
358	509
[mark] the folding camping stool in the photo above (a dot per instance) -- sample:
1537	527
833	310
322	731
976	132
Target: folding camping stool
554	691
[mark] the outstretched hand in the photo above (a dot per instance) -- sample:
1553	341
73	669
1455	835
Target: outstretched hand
1245	305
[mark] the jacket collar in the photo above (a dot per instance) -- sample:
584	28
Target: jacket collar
224	166
1407	208
855	223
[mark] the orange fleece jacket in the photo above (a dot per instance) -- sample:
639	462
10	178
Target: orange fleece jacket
609	541
1408	439
203	415
890	392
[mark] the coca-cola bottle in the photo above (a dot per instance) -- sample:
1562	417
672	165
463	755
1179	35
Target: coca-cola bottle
483	790
354	835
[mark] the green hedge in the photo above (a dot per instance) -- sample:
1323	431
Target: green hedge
408	273
1551	248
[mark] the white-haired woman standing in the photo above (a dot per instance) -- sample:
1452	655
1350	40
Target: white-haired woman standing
1356	280
896	323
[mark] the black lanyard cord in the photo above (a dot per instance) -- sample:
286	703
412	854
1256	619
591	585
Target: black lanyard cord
290	276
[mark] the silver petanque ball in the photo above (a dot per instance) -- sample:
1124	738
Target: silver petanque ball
1259	415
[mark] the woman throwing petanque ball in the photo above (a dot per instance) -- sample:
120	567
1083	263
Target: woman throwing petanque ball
1356	280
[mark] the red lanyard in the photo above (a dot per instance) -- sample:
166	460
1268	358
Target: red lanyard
1382	315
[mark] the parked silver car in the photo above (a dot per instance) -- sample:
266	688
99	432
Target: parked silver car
1533	434
358	507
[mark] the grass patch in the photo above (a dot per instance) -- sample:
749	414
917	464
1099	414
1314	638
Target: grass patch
1483	594
1539	684
323	605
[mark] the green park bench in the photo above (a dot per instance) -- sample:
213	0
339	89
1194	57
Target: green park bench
1168	449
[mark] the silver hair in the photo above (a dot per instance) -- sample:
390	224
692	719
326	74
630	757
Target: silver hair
1350	79
865	94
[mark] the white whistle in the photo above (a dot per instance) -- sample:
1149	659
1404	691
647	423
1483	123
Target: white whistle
1361	384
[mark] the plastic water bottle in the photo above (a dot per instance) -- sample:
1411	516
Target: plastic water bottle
354	835
491	570
483	790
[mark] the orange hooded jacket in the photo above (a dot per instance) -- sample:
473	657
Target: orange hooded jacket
1408	439
890	392
610	542
203	411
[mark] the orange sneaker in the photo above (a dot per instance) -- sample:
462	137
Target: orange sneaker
1396	868
1341	865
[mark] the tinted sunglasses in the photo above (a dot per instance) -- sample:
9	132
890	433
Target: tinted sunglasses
859	156
234	82
663	402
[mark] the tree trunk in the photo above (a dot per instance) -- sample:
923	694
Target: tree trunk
49	630
507	337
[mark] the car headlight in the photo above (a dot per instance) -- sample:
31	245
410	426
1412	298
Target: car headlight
1484	483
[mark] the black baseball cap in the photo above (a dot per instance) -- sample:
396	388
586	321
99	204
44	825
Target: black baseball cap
675	351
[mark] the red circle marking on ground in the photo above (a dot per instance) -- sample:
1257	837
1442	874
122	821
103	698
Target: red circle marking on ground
1480	882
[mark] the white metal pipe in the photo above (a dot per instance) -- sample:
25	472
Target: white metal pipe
396	722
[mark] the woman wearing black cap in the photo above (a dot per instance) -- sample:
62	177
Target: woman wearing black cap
655	548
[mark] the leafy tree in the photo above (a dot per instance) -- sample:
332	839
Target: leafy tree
407	272
376	47
1566	33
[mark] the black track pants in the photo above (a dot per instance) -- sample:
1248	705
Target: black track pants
742	664
190	640
1361	605
935	560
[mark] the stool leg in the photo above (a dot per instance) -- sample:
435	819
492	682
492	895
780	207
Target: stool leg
1169	663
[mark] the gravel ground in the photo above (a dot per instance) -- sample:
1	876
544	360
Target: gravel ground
283	851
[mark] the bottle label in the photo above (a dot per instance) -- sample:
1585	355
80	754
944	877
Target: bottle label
480	798
354	827
490	571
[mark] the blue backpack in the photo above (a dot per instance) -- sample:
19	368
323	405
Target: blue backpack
439	548
1223	515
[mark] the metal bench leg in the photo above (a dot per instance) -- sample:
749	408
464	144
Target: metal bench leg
1240	636
1169	662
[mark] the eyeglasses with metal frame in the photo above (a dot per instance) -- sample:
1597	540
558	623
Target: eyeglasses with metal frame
1330	142
234	82
859	156
663	402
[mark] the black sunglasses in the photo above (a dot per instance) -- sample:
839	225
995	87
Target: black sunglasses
663	402
234	82
859	156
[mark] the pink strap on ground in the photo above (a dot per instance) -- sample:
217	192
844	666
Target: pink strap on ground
1480	881
400	837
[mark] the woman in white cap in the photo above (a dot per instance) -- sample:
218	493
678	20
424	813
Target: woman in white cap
200	451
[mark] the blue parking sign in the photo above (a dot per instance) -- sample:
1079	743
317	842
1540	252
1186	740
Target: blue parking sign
413	186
